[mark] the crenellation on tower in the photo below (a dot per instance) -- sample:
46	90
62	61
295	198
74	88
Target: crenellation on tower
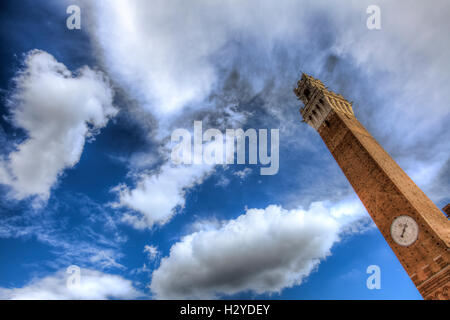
319	101
413	226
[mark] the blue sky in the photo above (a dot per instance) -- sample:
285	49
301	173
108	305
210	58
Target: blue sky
85	171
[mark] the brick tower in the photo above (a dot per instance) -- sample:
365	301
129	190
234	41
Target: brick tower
416	230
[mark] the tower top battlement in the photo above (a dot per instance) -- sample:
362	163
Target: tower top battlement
319	101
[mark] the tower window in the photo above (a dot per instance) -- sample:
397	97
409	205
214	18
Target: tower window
307	93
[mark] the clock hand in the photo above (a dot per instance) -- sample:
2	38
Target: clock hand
404	229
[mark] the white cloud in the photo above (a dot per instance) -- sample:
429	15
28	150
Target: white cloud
263	250
157	195
223	181
105	258
94	285
161	52
243	173
58	110
152	252
156	72
164	53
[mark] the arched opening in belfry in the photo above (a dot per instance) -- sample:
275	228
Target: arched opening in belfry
307	93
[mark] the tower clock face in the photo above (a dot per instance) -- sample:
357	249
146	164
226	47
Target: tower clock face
404	230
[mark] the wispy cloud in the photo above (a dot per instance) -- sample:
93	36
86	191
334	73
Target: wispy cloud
95	242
